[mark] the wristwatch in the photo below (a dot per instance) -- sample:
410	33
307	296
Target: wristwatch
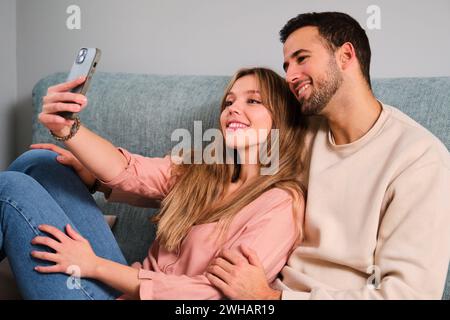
95	186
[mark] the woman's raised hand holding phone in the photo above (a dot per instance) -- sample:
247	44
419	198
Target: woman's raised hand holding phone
99	156
59	98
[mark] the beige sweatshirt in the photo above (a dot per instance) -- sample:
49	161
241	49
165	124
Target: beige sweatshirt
378	211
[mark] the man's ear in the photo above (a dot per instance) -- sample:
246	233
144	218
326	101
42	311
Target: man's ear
346	55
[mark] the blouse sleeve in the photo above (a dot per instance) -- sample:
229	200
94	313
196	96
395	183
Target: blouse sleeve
274	234
143	182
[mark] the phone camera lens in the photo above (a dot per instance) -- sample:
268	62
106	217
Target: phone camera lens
81	55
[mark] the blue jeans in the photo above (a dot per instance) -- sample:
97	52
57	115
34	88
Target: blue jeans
36	190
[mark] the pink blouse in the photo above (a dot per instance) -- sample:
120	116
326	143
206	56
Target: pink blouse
266	225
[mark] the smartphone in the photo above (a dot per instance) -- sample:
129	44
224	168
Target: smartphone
84	65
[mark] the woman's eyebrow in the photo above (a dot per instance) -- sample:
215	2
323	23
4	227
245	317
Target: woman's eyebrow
231	93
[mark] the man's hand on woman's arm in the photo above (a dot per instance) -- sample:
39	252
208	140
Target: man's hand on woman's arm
241	276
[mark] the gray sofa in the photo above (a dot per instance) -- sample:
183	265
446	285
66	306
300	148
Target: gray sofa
139	112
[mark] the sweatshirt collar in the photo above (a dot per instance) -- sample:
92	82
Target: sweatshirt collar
357	144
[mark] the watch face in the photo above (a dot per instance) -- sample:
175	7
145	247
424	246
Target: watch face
95	186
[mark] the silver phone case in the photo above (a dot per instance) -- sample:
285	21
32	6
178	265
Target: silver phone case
86	68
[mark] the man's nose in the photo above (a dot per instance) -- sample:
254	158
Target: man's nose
292	75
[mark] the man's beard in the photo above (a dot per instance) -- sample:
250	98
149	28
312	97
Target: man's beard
323	91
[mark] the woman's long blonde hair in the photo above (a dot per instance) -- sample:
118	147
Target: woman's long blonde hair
195	196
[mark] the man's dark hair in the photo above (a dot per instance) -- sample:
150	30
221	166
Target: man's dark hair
336	28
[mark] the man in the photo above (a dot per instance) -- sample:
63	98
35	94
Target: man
377	222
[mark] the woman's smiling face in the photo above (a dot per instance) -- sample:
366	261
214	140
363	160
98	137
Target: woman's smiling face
244	116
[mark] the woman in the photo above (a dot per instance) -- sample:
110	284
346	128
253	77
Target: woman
205	207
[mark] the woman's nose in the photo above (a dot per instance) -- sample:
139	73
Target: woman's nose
235	108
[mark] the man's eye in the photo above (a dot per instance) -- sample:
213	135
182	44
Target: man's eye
301	59
254	101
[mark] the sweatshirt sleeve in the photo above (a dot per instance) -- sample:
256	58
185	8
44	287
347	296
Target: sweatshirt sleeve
143	182
413	250
272	235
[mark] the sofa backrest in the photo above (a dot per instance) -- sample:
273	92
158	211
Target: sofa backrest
139	112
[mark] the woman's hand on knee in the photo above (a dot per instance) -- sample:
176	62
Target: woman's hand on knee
70	251
67	158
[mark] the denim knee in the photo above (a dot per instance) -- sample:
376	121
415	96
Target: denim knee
31	159
12	182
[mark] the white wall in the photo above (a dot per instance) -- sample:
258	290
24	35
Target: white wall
207	37
8	79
